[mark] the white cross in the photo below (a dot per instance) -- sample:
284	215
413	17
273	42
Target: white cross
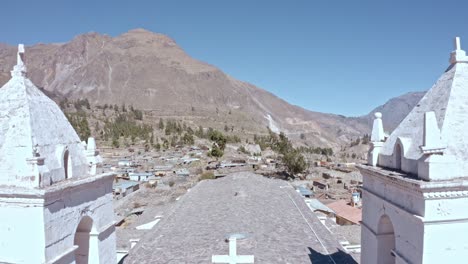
232	258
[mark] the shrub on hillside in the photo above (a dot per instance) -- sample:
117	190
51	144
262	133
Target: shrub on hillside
206	176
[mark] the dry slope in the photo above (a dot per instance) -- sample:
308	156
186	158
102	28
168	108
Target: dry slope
151	72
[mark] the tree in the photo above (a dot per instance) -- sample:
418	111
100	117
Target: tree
216	151
295	162
115	142
188	139
200	132
161	124
218	138
80	124
303	137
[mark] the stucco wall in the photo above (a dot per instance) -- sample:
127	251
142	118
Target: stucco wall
446	243
408	230
64	212
429	219
21	230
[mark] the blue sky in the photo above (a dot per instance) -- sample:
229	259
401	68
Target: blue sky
344	57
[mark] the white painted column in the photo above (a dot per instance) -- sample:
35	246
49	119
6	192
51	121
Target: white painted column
93	247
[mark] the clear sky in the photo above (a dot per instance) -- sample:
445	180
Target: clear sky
344	57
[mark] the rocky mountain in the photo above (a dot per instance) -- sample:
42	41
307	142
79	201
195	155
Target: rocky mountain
151	72
394	110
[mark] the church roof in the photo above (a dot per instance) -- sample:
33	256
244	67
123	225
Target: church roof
271	219
448	100
35	135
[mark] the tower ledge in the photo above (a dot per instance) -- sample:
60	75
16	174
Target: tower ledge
444	188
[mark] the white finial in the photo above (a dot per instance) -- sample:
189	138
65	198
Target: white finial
378	133
377	140
20	68
432	142
457	43
458	55
20	55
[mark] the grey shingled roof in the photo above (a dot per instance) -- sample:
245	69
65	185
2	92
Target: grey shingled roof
279	226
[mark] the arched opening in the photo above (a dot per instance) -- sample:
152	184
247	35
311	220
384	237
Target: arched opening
82	237
397	156
67	164
386	241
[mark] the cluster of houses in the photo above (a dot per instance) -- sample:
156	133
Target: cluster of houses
135	170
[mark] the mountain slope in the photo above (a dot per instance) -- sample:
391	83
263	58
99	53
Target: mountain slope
395	110
151	72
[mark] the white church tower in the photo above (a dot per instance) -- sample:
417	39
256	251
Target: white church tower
53	206
415	189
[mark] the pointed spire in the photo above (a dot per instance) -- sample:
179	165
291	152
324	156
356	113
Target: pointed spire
432	143
458	55
19	69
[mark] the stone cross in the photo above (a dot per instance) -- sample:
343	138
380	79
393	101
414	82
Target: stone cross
232	258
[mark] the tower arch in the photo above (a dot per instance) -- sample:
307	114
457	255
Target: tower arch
385	240
86	241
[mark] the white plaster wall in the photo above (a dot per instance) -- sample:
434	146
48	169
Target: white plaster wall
407	165
408	200
446	243
447	209
21	231
430	230
63	214
408	229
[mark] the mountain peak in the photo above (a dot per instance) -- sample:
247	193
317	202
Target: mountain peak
148	36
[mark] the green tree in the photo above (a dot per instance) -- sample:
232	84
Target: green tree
216	151
161	124
295	162
188	139
115	142
218	138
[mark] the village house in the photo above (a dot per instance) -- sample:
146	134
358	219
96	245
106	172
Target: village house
344	213
415	186
54	207
123	188
140	176
182	172
125	163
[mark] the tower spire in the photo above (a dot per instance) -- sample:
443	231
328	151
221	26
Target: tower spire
458	55
19	69
457	43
